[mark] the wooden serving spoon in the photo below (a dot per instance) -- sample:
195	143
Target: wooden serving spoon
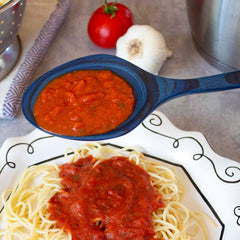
150	90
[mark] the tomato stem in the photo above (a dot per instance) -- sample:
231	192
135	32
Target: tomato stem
110	9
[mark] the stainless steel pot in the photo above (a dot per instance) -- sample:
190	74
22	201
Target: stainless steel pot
215	27
11	15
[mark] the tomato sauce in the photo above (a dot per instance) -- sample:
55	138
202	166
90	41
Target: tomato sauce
84	102
113	200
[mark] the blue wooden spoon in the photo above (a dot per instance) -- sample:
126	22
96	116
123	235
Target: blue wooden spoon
150	90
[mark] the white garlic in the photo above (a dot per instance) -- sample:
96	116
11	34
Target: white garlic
143	46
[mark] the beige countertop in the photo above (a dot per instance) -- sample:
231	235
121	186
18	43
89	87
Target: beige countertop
215	115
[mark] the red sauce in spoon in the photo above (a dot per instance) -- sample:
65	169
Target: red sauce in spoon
84	102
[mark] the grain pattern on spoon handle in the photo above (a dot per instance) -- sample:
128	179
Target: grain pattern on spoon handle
172	88
233	77
220	82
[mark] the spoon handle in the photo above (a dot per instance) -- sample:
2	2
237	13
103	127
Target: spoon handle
171	88
218	82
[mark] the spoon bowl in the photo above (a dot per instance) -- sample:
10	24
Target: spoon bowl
150	90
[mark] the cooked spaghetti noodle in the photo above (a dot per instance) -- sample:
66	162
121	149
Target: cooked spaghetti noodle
25	215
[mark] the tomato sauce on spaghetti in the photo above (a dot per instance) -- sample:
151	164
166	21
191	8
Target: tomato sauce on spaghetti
112	200
84	102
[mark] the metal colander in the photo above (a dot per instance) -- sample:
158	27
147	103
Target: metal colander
11	15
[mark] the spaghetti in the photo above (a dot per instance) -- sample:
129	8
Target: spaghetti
26	216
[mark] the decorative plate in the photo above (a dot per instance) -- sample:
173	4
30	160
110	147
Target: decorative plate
212	182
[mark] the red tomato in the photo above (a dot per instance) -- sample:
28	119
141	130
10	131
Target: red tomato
108	23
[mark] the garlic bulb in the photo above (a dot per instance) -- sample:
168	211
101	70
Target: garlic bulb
143	46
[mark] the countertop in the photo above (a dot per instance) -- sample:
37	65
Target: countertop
215	115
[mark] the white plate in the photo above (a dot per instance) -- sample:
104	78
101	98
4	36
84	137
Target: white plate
212	182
